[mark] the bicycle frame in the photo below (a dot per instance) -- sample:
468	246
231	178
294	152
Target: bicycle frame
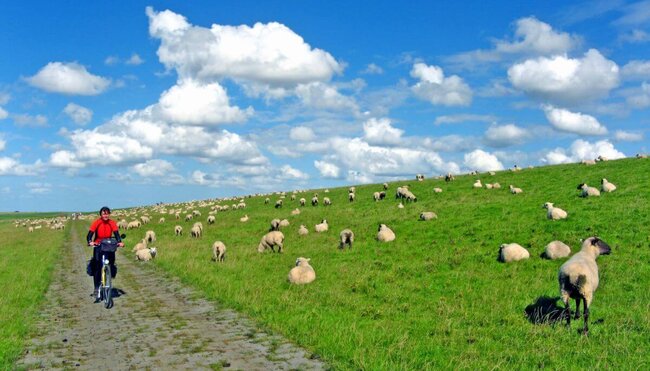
106	288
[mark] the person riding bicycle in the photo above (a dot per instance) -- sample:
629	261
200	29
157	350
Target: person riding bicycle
101	228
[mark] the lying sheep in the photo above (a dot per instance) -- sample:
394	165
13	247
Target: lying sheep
477	184
578	278
270	240
275	225
150	236
588	191
322	226
295	212
496	185
244	218
346	237
515	190
385	234
400	205
437	190
145	254
554	213
178	230
589	162
302	273
218	251
284	223
512	252
606	186
601	158
556	250
428	215
140	245
303	231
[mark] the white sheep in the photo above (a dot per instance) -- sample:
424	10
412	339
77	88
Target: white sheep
178	230
145	254
211	219
314	201
385	234
601	158
477	184
196	231
296	211
150	236
218	251
346	237
385	186
588	191
244	218
400	205
303	231
437	190
140	245
512	252
351	196
270	240
428	215
284	223
554	213
322	226
275	225
161	220
578	278
375	196
515	190
302	273
606	186
278	204
589	162
496	185
327	201
557	250
302	201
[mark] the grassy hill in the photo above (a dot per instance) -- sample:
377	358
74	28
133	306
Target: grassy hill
436	297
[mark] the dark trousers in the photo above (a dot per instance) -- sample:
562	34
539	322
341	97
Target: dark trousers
97	265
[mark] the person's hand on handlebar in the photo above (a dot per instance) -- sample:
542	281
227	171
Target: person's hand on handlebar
92	243
120	244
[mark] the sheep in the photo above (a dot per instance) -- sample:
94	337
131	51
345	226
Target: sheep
578	278
302	201
515	190
275	225
211	219
140	245
196	231
188	217
512	252
351	196
270	240
322	226
606	186
303	231
346	237
161	220
437	190
134	224
556	250
449	177
218	251
296	211
477	184
641	155
601	158
375	196
314	201
278	204
488	186
352	189
588	191
385	234
419	177
400	206
30	229
410	197
554	213
385	186
178	230
145	254
244	218
267	200
589	162
327	201
196	213
496	185
284	223
428	215
302	273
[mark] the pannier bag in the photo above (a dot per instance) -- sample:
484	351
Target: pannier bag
108	245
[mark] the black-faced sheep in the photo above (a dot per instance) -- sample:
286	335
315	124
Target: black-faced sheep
314	201
302	202
178	230
278	204
512	252
327	201
588	191
302	273
385	234
322	226
275	225
211	219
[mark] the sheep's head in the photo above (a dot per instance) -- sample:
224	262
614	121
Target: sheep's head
547	205
302	261
596	246
153	251
582	186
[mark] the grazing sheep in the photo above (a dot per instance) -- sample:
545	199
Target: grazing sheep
140	245
419	177
150	236
188	217
296	211
346	237
606	186
303	231
178	230
556	250
244	218
267	200
512	252
578	278
30	229
278	204
145	254
428	215
352	189
134	224
314	201
515	190
302	273
375	196
284	223
449	177
382	195
161	220
327	201
554	213
270	240
218	251
385	186
477	184
588	191
302	202
385	234
196	231
275	225
410	197
351	196
211	219
437	190
322	226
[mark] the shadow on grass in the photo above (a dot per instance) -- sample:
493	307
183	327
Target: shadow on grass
544	311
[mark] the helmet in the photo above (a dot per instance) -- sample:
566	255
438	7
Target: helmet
105	208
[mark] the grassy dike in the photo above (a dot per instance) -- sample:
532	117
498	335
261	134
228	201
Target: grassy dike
436	297
26	264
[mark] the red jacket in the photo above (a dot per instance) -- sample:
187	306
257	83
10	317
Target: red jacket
103	229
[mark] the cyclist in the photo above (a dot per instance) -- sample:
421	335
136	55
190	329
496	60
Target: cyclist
103	227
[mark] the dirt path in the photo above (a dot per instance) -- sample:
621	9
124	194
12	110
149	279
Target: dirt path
156	323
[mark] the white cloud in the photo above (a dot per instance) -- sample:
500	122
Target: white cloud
582	150
30	121
80	115
373	69
482	161
626	136
38	188
357	177
9	166
4	98
327	169
637	13
438	89
454	119
534	36
302	133
635	37
638	98
566	80
95	147
636	70
68	78
153	168
65	159
573	122
324	96
505	135
288	172
111	60
381	132
450	143
3	114
134	60
3	143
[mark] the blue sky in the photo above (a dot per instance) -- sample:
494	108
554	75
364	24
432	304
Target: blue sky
133	103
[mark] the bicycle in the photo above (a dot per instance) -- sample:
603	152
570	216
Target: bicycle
105	292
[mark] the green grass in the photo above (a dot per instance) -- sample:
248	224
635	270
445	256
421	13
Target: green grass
436	297
26	264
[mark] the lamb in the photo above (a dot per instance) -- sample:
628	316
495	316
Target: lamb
275	225
218	251
322	227
556	250
449	177
270	240
327	201
554	213
400	206
244	218
140	245
296	211
302	273
606	186
302	202
477	184
303	231
178	230
346	237
515	190
145	254
385	234
211	219
578	278
512	252
428	215
150	236
588	191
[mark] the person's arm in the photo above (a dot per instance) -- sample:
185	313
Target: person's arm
117	236
89	237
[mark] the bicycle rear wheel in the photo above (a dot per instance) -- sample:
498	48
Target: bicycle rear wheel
107	289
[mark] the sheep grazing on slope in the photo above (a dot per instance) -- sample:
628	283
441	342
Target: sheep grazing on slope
588	191
302	202
314	201
322	226
512	252
554	213
477	184
145	254
278	204
303	231
196	231
578	278
346	237
449	177
211	219
140	245
161	220
266	201
351	196
556	250
385	186
352	189
244	218
302	273
385	234
606	186
375	196
515	190
150	236
428	215
327	201
218	251
275	225
270	240
178	230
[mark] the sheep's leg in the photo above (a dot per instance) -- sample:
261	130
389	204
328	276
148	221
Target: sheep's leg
567	311
586	315
577	314
280	248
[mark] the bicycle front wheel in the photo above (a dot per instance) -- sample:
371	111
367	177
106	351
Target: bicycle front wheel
107	288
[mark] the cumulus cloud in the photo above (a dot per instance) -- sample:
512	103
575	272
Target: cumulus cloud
567	80
505	135
573	122
582	150
65	159
438	89
68	78
9	166
373	69
450	143
302	133
80	115
134	60
626	136
327	169
153	168
636	70
638	98
288	172
482	161
324	96
29	120
3	143
381	132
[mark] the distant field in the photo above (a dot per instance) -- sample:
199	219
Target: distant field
30	215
